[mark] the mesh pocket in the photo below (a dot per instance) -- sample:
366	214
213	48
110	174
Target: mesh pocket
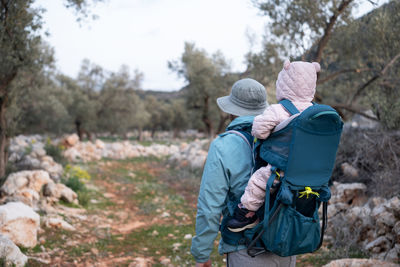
275	149
292	233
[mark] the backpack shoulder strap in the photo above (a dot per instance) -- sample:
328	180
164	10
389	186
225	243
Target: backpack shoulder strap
288	105
244	137
247	138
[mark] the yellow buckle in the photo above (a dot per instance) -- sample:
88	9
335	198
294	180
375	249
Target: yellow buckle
308	191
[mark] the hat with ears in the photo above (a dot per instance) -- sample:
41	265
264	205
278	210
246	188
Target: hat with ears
297	81
248	97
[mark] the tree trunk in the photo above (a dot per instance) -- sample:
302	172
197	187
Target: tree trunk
205	118
140	137
177	133
3	135
79	129
222	120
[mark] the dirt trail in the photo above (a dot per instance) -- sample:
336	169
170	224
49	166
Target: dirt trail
133	218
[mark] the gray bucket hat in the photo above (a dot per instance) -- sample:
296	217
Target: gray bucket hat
247	97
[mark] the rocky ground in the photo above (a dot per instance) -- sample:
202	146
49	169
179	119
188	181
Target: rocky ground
138	209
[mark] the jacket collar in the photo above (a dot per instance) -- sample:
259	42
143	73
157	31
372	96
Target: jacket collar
243	123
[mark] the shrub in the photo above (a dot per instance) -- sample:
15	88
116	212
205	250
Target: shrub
76	172
375	153
75	184
75	178
55	151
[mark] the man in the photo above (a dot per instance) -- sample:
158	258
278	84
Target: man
226	172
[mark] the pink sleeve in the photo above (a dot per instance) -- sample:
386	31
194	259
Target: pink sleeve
264	124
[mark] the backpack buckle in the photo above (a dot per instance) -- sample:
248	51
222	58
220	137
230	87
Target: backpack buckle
308	191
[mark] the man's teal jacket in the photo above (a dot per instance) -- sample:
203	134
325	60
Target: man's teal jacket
226	172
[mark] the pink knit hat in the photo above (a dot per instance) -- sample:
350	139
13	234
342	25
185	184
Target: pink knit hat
297	81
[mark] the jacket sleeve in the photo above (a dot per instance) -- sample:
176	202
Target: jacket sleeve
213	192
264	124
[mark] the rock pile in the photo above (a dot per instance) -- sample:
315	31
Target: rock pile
193	154
35	188
28	153
88	151
374	222
186	154
23	192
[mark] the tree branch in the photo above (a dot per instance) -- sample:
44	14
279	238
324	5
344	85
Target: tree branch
354	110
374	78
328	29
335	74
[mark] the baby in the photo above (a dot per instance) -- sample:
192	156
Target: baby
296	82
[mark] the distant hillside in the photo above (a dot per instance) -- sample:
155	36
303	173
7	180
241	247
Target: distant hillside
160	95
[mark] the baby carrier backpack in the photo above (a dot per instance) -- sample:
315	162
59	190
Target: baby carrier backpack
303	147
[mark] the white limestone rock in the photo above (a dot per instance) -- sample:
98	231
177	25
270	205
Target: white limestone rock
19	223
360	263
25	186
10	253
58	223
351	194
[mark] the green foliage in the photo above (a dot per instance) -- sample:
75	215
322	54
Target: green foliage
120	109
75	178
76	172
294	26
55	151
359	56
75	184
372	61
208	77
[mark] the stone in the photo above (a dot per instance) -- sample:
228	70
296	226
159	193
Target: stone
393	254
351	194
99	144
349	170
10	253
31	179
361	214
381	242
165	261
19	223
71	140
72	154
60	191
360	263
396	232
187	237
385	218
58	223
67	194
376	201
141	262
378	210
393	206
38	150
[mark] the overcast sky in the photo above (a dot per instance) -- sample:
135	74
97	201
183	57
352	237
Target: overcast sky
145	34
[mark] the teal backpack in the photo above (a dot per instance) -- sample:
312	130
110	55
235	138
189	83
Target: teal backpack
303	147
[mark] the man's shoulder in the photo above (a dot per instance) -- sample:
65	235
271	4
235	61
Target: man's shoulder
228	141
